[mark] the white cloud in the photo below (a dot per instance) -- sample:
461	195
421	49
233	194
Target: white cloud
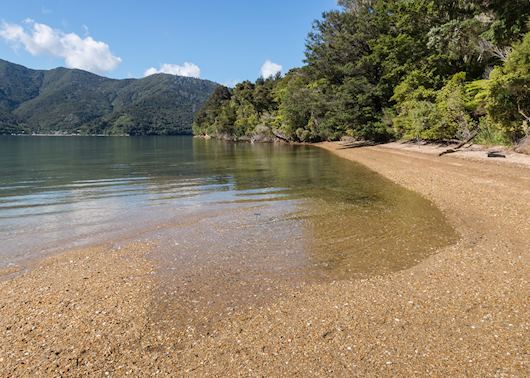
187	69
269	69
83	53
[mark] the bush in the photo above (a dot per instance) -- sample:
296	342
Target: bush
509	92
491	134
424	113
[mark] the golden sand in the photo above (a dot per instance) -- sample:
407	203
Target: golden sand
463	311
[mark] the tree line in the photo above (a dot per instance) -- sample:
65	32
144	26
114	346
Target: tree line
393	69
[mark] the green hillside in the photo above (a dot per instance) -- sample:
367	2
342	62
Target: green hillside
75	101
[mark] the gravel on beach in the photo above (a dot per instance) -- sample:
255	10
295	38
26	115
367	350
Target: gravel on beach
463	311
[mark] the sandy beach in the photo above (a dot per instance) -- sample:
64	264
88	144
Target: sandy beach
463	311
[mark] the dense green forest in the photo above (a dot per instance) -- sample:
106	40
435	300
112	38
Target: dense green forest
74	101
393	69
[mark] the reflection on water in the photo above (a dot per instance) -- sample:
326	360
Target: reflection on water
272	208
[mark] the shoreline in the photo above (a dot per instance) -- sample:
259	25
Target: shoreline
463	310
475	152
432	148
472	152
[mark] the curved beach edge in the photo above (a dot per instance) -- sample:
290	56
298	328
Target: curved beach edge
463	311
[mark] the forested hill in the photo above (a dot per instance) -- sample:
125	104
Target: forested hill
75	101
394	69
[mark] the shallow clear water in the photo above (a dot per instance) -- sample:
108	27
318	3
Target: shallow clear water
275	208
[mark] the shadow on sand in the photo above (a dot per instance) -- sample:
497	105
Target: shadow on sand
356	144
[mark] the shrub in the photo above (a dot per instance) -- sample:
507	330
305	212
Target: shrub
508	100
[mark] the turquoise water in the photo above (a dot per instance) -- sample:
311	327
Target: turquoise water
200	195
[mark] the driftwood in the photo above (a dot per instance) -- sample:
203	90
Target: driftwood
496	154
451	150
280	136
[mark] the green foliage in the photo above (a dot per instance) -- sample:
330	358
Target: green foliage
416	119
246	110
477	92
74	101
294	96
207	116
247	118
381	69
508	99
490	134
416	109
434	115
455	119
510	23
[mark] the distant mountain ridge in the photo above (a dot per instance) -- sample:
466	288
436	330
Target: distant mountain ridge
73	101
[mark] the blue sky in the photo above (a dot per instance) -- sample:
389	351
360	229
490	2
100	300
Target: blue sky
225	41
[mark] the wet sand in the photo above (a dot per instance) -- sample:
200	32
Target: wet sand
462	311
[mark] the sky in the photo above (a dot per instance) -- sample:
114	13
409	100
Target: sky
224	41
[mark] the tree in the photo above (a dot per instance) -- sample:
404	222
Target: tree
508	100
414	69
206	117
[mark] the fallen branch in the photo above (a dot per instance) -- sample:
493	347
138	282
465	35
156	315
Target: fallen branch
451	150
280	136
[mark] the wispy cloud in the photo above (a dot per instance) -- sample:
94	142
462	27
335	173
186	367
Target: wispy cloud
187	69
230	83
77	52
269	69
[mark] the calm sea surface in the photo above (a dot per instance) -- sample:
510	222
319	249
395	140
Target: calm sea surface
277	208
